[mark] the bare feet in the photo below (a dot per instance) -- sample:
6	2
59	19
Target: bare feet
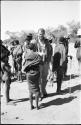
32	107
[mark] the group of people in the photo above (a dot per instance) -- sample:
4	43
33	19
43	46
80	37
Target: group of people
37	56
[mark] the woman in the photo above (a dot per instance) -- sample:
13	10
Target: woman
78	54
32	69
17	57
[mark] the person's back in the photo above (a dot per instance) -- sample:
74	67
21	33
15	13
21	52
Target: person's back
59	56
31	67
58	60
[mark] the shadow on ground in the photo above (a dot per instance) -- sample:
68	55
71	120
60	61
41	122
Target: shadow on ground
58	101
65	91
68	77
20	100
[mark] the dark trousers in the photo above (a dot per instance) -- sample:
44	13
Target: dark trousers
19	76
65	67
43	78
15	66
59	78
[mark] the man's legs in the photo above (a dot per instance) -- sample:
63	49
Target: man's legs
59	78
65	68
19	65
19	73
44	79
15	67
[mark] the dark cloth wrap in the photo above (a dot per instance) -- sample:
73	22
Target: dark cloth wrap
31	67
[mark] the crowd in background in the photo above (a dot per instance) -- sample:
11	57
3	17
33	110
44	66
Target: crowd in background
38	59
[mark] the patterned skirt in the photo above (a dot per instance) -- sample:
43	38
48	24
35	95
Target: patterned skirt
33	81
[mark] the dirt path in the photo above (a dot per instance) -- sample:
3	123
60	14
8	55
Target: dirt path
54	110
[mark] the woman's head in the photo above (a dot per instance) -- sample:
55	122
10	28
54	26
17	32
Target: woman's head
32	46
29	37
15	42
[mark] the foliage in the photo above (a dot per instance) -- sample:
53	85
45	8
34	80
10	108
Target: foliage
21	36
73	27
51	33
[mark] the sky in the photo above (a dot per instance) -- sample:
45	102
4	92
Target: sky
32	15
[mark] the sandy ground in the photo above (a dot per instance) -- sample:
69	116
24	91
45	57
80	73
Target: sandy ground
55	109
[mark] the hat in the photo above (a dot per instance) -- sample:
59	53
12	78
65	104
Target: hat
29	36
15	42
32	46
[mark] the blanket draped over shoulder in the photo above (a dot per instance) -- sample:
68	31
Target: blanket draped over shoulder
31	67
31	59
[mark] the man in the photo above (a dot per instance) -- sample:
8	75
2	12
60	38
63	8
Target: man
65	42
5	71
58	60
45	50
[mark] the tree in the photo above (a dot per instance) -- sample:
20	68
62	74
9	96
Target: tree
73	27
49	32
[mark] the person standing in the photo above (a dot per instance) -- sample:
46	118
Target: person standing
31	66
17	56
26	46
58	60
5	71
78	53
44	48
